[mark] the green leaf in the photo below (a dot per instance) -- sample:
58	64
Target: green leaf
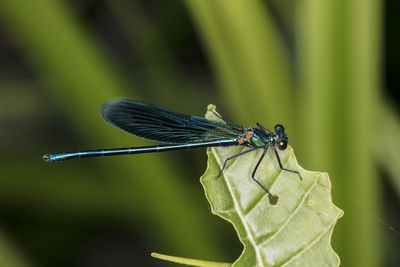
296	231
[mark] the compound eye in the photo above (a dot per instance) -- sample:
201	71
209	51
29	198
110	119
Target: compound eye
279	128
282	144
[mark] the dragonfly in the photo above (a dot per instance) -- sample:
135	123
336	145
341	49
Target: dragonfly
178	131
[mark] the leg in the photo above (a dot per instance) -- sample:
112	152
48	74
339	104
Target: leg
217	114
232	157
280	164
264	129
254	172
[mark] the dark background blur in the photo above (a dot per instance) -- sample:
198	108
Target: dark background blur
328	70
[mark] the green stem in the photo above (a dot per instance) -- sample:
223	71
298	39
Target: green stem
191	262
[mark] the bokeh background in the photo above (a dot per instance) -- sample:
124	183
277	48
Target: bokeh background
328	70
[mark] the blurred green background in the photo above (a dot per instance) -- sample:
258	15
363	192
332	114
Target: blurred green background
328	70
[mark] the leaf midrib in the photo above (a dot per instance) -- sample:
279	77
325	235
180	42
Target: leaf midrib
239	212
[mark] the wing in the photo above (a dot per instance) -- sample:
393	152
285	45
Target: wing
158	124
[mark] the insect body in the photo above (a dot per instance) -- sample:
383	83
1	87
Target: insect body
178	131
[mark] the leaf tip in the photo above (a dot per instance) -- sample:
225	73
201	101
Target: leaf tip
211	107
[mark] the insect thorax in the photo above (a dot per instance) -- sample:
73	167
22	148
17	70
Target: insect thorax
259	139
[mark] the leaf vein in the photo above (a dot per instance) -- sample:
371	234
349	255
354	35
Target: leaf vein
314	241
265	195
288	219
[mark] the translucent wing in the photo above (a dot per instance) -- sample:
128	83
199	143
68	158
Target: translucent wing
158	124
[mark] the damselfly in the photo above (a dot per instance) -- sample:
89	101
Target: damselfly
179	131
